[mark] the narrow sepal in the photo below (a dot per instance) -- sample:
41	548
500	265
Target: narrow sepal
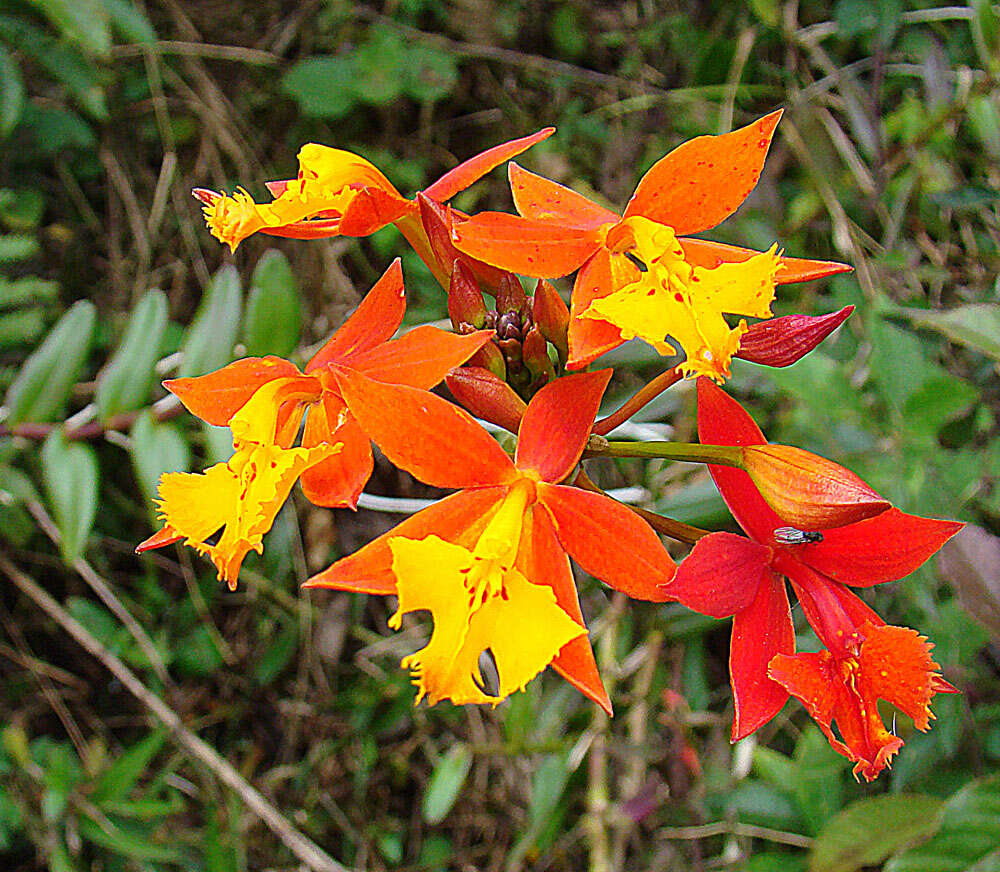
369	570
373	322
420	357
372	209
589	338
721	575
486	396
704	180
473	169
437	219
609	541
336	482
217	396
708	254
760	632
783	341
429	437
556	425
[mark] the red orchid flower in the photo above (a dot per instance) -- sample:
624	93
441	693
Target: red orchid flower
338	193
263	401
638	276
729	575
489	562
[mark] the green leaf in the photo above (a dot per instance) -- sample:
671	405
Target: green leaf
128	839
11	93
43	385
21	210
976	325
429	74
26	291
121	776
446	783
210	340
381	68
129	22
70	473
18	246
277	655
157	447
197	654
53	129
23	327
125	383
84	22
940	400
968	837
818	787
323	86
274	317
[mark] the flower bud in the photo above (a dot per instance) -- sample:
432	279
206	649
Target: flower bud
511	296
782	341
437	219
535	352
808	491
491	358
465	299
551	315
486	396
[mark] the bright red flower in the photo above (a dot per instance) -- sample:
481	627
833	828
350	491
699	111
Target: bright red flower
728	575
490	561
638	275
263	401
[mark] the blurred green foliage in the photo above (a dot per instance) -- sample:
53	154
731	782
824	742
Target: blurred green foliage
110	111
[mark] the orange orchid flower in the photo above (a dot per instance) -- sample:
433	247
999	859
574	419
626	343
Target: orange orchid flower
490	562
338	193
638	275
263	400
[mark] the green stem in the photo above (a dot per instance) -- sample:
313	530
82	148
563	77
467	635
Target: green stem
725	455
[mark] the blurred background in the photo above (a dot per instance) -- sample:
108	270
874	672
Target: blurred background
151	720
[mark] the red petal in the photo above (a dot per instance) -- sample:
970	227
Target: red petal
704	180
420	358
721	575
722	421
543	561
531	248
337	481
884	548
373	322
702	252
540	199
433	439
372	209
809	677
437	220
897	666
759	633
473	169
555	427
166	536
369	570
486	396
217	396
609	541
782	341
589	339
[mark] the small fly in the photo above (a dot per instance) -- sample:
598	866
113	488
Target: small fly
795	536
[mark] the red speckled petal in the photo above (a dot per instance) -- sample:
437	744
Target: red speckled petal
589	339
704	180
540	199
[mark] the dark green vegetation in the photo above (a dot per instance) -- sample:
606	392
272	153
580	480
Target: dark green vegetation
888	157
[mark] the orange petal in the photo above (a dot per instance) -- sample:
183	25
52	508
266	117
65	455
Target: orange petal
217	396
556	425
166	536
429	437
543	560
473	169
897	666
420	358
371	210
369	570
704	180
321	228
540	199
702	252
589	339
609	541
374	321
530	248
337	481
437	219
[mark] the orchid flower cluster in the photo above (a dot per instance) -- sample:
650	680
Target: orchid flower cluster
491	561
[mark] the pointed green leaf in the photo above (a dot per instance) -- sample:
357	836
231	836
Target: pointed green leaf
42	387
84	22
129	22
976	325
71	479
11	93
157	447
125	383
210	340
121	776
274	317
446	783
